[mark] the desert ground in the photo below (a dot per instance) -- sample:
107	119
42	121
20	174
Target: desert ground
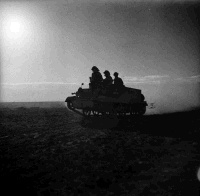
53	151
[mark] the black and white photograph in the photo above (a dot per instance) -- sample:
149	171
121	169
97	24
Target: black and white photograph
100	97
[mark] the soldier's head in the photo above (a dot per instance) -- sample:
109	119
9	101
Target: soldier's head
94	68
106	73
116	74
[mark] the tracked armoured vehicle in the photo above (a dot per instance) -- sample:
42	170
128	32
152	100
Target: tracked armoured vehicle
129	101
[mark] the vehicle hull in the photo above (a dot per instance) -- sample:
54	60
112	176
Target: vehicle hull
130	102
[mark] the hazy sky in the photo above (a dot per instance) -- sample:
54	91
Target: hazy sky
57	42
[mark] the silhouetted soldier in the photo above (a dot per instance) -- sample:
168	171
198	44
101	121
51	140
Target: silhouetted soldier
107	82
108	79
96	79
118	83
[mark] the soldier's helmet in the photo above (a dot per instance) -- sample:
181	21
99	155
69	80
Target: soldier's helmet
106	72
94	68
115	74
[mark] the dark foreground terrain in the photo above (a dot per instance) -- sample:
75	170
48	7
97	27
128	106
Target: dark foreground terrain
51	151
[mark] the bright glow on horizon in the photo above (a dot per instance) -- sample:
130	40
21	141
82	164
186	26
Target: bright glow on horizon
18	38
15	27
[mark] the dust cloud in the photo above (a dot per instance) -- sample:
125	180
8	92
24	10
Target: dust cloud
172	97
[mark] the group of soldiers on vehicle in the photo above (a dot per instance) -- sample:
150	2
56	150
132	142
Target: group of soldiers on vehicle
106	85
